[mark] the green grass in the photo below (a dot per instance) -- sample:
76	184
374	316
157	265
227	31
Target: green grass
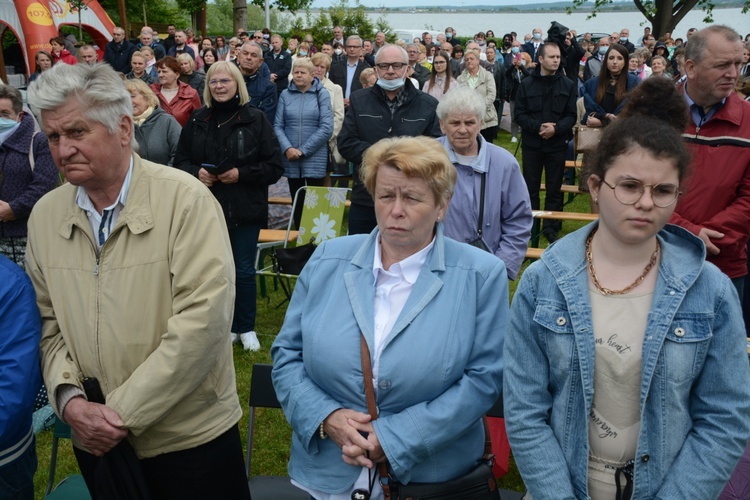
273	434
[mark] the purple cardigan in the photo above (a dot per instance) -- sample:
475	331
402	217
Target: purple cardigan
19	186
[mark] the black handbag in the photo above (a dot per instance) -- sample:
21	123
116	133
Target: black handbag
292	260
477	484
478	241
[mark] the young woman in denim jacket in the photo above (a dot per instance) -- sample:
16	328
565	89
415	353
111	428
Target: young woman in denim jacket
626	372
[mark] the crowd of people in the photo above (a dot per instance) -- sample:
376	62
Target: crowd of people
148	164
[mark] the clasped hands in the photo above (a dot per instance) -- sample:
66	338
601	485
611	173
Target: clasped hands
231	176
343	426
97	427
547	130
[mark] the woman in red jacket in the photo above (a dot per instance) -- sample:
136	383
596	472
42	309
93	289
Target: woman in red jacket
60	53
175	97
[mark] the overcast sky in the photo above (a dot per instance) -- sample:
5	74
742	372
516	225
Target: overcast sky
427	3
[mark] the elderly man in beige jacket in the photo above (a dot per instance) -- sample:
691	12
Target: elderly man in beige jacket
134	279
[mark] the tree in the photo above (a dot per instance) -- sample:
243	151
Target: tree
78	6
155	11
664	15
220	17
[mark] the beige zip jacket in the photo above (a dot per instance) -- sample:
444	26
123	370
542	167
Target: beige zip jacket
150	317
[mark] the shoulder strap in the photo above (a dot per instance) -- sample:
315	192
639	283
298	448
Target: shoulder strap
480	220
31	150
372	409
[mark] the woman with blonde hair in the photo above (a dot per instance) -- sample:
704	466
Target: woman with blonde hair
156	132
229	145
303	125
436	356
483	82
188	74
138	68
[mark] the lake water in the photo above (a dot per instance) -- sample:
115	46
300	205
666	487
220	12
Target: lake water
467	24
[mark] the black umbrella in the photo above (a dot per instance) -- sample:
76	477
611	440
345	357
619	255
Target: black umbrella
118	474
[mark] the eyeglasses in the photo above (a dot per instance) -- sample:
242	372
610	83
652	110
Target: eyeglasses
353	47
396	65
224	82
629	191
258	37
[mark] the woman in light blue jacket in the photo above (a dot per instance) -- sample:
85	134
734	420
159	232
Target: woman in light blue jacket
303	125
626	374
433	312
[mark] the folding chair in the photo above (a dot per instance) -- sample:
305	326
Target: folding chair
263	395
72	487
322	219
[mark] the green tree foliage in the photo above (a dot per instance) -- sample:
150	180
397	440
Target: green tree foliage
664	15
353	20
220	17
157	11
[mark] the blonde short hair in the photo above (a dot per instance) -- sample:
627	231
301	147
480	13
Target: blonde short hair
138	86
303	62
186	57
233	71
319	57
416	157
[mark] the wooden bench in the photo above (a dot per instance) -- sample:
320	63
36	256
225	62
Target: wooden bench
544	214
274	235
565	188
280	200
534	253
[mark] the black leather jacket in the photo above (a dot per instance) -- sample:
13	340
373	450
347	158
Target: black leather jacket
546	99
252	147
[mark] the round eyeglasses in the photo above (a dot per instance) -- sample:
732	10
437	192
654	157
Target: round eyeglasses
629	191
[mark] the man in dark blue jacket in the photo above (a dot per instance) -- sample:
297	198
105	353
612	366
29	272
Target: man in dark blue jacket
279	63
262	91
546	113
117	52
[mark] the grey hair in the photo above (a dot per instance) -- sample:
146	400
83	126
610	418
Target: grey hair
13	95
99	90
354	37
379	56
461	100
697	48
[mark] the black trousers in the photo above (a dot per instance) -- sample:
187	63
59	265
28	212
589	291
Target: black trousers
212	470
553	165
361	219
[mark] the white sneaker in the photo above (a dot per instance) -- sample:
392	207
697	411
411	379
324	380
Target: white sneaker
235	337
513	139
250	341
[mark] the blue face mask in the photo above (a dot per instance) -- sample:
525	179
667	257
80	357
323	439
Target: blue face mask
603	50
7	124
515	50
449	35
390	85
623	39
537	36
523	62
302	53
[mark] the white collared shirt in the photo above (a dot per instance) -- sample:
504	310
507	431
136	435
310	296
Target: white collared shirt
102	224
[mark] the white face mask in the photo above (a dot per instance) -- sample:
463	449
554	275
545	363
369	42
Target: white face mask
390	85
338	52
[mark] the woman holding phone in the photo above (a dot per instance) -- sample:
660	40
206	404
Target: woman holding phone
229	145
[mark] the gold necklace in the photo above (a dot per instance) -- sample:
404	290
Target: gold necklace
230	119
607	291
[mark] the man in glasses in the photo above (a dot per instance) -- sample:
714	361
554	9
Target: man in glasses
418	72
117	53
391	108
346	73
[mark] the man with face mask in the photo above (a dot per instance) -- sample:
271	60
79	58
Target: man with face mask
391	108
450	35
532	46
23	183
594	63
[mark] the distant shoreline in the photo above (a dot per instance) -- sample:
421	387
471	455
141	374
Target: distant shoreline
509	9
